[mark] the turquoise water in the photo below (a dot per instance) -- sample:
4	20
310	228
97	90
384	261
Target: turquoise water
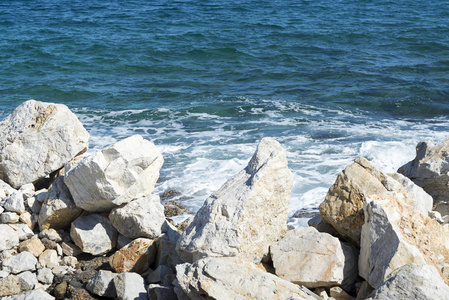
206	80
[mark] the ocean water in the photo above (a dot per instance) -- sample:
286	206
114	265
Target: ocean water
206	80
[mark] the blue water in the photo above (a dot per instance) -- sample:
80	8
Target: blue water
206	80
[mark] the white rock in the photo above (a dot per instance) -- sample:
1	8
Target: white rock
24	261
50	234
45	275
27	190
3	274
5	191
115	175
130	286
31	295
9	238
143	217
102	284
247	213
58	210
29	280
396	234
24	232
313	259
231	278
37	139
15	203
9	217
420	282
49	259
94	234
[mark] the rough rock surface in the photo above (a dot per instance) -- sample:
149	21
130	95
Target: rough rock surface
24	261
58	210
396	234
11	285
122	172
413	281
231	278
130	286
38	294
33	245
343	205
93	234
9	238
313	259
136	257
37	139
142	217
247	213
15	203
102	284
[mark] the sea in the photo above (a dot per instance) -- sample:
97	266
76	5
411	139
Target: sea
206	80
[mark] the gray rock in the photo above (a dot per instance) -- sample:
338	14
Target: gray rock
58	210
130	286
166	244
24	261
93	234
60	134
15	203
159	274
247	213
413	281
161	292
143	217
29	280
115	175
32	295
232	278
45	275
102	284
11	285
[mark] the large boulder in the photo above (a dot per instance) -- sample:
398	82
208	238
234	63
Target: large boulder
430	169
396	234
58	210
37	139
343	205
231	278
122	172
94	234
247	213
314	259
413	281
142	217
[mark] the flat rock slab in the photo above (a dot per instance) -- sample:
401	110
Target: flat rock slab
122	172
246	214
93	234
37	139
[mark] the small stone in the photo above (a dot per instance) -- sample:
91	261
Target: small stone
339	294
49	244
45	275
29	280
22	230
50	234
130	286
38	294
49	259
14	203
70	249
9	218
26	218
60	290
321	292
24	261
40	195
102	284
33	245
69	261
11	285
59	250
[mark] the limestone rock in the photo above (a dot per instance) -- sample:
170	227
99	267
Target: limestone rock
5	191
58	210
136	257
70	249
45	275
339	294
50	234
24	261
160	292
247	213
93	234
142	217
9	218
413	281
130	286
29	280
49	259
23	231
396	234
166	247
102	284
37	139
32	295
11	285
343	205
313	259
231	278
14	202
115	175
159	274
33	245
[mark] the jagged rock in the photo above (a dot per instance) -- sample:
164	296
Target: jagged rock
70	249
102	284
231	278
24	261
130	286
37	139
32	295
58	210
29	280
142	217
396	234
166	247
343	205
247	213
27	219
9	218
24	232
93	234
136	257
413	281
115	175
14	202
313	259
69	261
45	275
49	259
5	191
11	285
50	234
423	201
33	245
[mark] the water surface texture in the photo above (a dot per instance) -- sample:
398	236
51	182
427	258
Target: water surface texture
206	80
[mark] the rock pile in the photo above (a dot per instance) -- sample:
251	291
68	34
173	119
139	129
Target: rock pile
98	231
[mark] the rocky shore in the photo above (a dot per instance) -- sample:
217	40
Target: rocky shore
88	226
